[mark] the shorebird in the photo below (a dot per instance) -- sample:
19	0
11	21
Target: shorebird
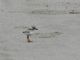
28	32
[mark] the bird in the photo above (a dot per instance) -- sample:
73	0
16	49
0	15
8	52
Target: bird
28	32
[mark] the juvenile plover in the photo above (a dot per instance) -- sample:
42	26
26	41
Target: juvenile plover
28	32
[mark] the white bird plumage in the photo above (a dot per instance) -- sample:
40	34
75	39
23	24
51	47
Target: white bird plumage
28	31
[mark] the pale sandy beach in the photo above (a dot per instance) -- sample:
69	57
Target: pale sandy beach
49	16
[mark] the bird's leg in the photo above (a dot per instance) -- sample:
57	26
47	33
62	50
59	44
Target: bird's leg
28	38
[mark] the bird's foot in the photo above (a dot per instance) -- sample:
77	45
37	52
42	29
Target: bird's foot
29	41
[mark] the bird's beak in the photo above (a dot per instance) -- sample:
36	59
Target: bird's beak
36	29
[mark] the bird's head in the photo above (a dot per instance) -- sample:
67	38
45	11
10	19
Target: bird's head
34	28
